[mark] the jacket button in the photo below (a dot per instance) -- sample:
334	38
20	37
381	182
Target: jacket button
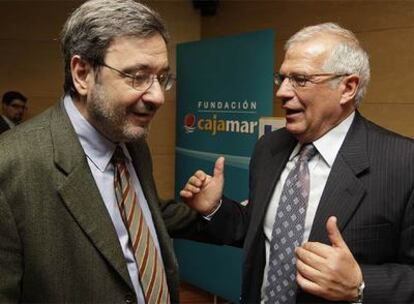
129	299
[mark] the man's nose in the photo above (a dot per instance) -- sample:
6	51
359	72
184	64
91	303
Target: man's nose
285	89
155	94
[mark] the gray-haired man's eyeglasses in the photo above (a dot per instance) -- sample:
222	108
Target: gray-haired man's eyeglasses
142	81
299	80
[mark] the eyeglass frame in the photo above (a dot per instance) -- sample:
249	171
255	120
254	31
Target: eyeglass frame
278	78
169	82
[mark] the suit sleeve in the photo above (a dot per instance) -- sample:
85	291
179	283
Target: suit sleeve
394	282
10	255
180	220
230	223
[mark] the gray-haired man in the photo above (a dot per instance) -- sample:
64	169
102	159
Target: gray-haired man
331	205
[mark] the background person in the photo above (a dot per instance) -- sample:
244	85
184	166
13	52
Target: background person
13	109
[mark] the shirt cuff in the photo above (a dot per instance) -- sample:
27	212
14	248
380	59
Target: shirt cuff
210	216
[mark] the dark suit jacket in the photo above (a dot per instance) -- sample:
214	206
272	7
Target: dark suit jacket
3	125
370	190
57	240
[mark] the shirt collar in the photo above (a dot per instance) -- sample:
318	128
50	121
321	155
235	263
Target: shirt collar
8	121
97	147
329	144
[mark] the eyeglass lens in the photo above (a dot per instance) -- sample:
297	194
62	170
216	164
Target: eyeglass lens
145	81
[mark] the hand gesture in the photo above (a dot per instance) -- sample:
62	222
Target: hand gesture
203	192
330	272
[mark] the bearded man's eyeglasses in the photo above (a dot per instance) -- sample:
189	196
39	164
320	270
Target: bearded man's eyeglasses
142	81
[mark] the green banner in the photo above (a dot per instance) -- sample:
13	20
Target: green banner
224	86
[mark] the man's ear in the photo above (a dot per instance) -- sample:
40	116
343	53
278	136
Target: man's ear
350	86
82	74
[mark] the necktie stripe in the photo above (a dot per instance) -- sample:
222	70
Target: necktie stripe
138	237
157	289
144	257
131	212
123	175
121	195
125	192
151	272
122	207
160	294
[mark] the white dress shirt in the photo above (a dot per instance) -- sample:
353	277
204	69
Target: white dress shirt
99	151
319	168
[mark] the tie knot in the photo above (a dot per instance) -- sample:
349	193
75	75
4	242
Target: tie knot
307	152
118	155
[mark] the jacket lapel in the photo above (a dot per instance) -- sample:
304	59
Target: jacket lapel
81	195
343	191
268	174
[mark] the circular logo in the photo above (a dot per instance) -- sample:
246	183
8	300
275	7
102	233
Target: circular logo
189	122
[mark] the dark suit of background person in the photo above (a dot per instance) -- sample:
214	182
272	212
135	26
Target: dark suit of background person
58	243
3	125
370	189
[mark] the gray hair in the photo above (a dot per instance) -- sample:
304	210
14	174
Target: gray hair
92	27
347	57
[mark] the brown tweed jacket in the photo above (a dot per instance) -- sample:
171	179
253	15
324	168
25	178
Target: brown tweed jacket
57	241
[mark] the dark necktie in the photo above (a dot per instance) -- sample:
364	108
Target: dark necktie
287	233
151	271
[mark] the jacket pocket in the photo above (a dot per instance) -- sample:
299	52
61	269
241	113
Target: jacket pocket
372	244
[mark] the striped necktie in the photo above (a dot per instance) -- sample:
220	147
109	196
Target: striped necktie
151	271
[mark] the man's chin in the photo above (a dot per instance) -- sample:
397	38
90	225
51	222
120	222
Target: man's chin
135	133
294	128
